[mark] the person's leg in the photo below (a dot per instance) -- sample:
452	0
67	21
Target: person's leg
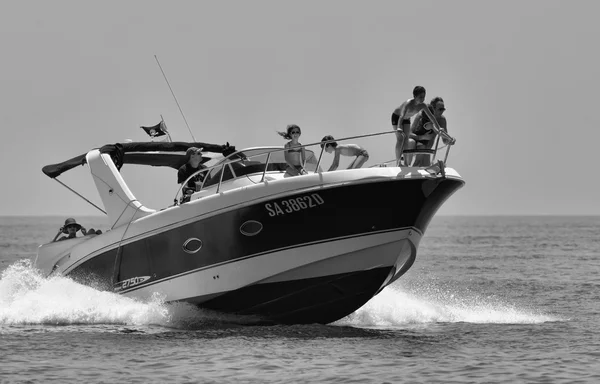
408	157
353	163
289	171
420	159
294	171
424	159
427	157
399	146
360	160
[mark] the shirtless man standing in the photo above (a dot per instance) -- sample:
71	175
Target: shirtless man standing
401	119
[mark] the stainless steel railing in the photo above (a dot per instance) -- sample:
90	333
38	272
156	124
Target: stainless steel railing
242	157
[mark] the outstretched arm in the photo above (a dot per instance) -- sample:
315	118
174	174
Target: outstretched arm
303	156
444	126
416	122
58	234
432	118
336	160
436	126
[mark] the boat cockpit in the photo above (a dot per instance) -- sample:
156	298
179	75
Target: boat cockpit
253	161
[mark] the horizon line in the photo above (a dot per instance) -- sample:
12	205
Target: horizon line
437	215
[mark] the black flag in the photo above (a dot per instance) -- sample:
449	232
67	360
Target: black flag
157	130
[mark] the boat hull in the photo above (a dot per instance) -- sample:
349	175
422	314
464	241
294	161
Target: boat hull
319	282
307	256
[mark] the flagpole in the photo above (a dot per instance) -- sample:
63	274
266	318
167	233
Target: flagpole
177	102
165	128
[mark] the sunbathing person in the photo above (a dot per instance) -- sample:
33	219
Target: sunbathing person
352	150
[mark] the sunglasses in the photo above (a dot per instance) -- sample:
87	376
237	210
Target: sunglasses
441	109
294	132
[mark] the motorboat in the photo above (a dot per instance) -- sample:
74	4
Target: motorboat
250	241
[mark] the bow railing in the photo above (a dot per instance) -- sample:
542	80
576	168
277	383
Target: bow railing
240	157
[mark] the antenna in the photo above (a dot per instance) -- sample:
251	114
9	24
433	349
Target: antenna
177	102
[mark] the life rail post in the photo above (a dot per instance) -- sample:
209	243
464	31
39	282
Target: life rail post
321	155
221	176
266	167
188	179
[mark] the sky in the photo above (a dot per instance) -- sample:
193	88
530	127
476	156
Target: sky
520	80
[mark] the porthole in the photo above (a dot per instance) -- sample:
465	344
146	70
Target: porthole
192	245
251	228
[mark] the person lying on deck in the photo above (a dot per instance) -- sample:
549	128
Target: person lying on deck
352	150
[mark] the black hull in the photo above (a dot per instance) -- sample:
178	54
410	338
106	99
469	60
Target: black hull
331	213
318	300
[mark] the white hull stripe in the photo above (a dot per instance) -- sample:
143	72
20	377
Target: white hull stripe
414	237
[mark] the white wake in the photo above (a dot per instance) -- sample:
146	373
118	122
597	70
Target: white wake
26	297
401	307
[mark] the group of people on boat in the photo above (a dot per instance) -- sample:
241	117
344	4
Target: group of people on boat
421	133
295	155
428	122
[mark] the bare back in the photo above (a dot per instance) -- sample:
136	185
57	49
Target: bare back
408	109
349	149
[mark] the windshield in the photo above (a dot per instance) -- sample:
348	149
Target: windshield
254	161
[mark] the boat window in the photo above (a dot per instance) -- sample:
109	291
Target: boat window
215	175
254	162
311	162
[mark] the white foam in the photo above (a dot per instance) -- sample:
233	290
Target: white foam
399	307
26	297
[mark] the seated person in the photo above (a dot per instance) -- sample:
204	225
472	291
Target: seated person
71	228
350	150
193	165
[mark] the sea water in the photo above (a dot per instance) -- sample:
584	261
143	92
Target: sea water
489	299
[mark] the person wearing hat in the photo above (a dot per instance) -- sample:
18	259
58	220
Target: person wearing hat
70	229
193	165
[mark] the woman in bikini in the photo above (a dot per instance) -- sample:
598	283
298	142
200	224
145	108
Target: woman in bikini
295	156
